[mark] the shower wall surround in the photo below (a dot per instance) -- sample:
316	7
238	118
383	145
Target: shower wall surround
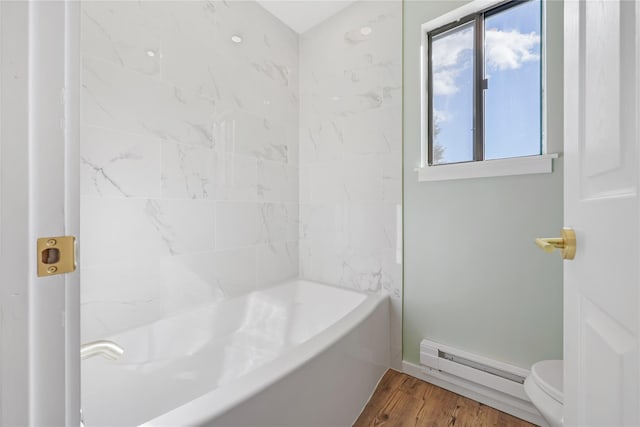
198	178
189	157
350	153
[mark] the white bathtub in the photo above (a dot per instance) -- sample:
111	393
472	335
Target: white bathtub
298	354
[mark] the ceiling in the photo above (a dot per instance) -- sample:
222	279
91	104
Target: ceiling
302	15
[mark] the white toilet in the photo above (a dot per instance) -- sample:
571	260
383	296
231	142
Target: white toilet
544	388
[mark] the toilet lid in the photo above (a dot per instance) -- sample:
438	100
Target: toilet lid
548	376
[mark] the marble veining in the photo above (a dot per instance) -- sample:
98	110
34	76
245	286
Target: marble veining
350	152
189	157
157	219
188	172
99	176
213	168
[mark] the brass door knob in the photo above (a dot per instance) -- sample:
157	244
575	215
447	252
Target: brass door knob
566	243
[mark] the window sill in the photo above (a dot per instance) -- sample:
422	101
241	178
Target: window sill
488	168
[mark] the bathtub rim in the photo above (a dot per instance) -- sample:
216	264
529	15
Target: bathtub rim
215	403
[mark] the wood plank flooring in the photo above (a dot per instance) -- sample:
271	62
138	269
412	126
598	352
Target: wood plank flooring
402	401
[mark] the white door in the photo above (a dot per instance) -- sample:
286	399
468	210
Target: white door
601	297
39	109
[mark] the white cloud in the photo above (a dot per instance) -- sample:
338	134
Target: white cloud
508	50
448	50
504	50
450	56
440	116
444	81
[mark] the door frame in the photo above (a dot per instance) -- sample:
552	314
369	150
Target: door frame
39	197
72	106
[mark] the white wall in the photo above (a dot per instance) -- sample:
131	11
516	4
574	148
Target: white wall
350	153
189	157
474	279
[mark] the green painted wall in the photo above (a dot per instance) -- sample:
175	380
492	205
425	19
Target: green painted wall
473	278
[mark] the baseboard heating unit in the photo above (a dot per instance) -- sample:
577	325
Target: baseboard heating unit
490	373
494	383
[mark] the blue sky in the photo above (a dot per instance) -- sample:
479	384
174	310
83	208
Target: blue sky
512	101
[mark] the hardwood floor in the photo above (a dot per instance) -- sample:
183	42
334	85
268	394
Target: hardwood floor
402	400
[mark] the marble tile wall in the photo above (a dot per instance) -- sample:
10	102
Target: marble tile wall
350	153
205	177
189	157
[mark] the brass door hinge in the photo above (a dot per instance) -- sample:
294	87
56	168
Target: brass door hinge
56	255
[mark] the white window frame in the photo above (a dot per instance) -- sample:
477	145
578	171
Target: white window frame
542	163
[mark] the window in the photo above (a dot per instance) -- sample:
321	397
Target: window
483	96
